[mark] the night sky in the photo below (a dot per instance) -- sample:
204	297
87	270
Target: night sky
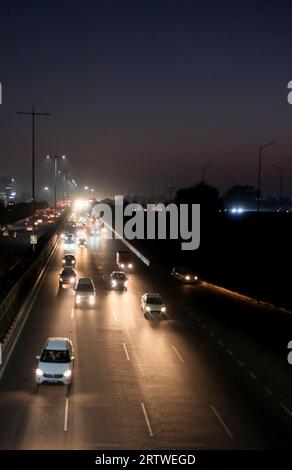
143	93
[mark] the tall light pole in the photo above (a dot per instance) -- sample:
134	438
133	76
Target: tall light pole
33	113
65	175
204	169
281	171
55	159
259	173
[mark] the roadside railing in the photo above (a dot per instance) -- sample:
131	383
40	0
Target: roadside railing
14	305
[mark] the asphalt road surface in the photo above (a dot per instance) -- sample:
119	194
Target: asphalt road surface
188	381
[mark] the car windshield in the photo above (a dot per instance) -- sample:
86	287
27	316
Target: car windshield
119	276
85	288
154	300
69	258
51	355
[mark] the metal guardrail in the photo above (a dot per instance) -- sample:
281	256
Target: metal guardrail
12	308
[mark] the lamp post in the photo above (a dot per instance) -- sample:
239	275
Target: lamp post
259	173
55	158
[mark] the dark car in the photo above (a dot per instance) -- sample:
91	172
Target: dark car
67	277
119	280
69	238
85	292
69	261
82	242
185	275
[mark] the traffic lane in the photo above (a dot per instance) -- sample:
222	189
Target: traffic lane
187	375
34	415
150	358
108	261
249	318
209	308
102	412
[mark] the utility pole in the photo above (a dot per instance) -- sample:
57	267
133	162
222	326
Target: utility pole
33	113
259	174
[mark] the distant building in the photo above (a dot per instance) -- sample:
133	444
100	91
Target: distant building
7	189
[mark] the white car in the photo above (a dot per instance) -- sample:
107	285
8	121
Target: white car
55	364
152	304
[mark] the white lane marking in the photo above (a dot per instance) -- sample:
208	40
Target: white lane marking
198	320
66	415
177	353
72	313
220	342
147	420
268	390
212	333
115	315
253	376
230	352
126	351
240	363
221	421
286	409
204	326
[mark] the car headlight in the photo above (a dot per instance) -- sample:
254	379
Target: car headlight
78	298
130	265
187	278
148	309
68	373
114	283
196	278
39	372
126	284
122	265
63	261
163	309
72	279
61	279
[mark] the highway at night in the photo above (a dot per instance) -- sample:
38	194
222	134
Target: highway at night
184	381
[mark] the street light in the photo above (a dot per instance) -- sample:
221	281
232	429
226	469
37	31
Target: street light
259	173
55	158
